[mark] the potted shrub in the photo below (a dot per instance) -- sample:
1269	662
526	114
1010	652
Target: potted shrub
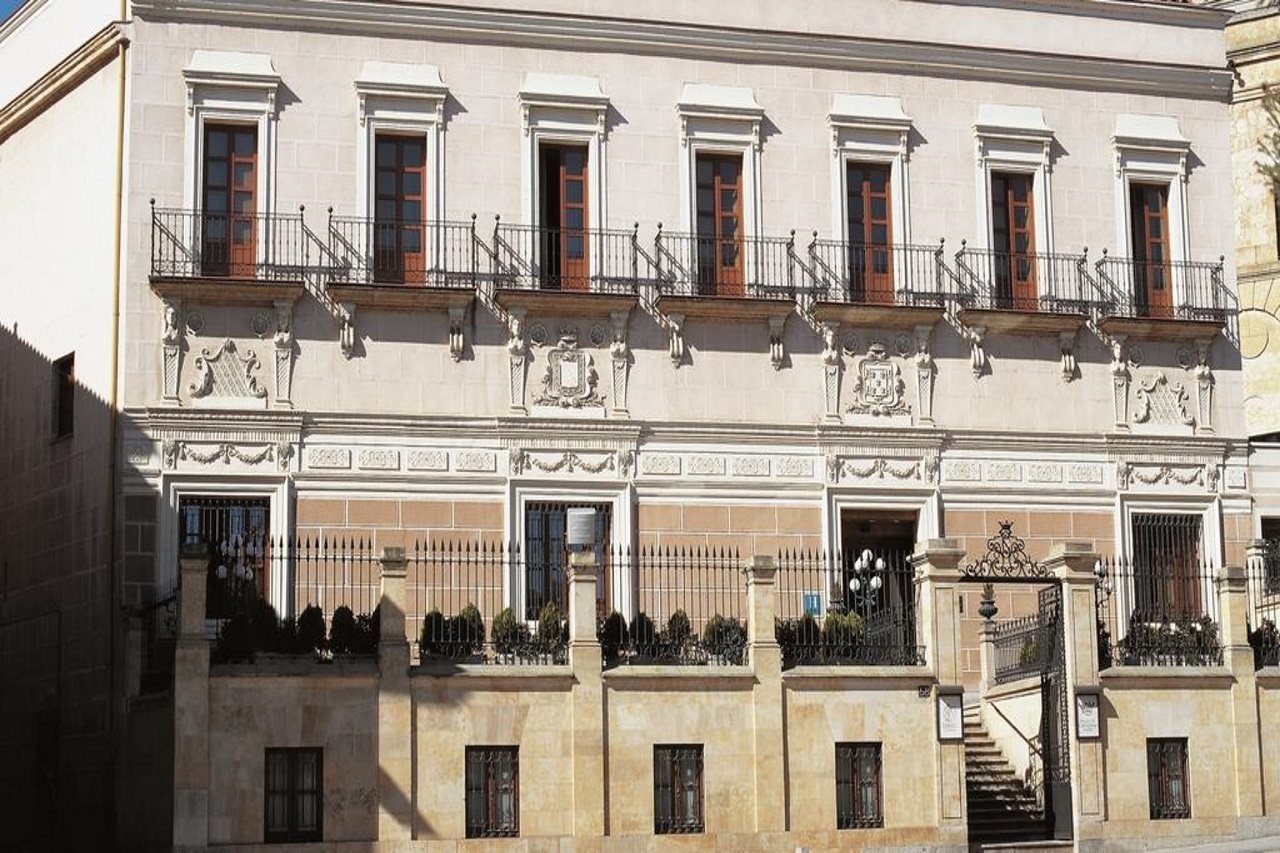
644	636
612	634
342	628
310	629
468	631
364	641
841	636
434	639
553	632
725	639
1265	640
510	636
676	637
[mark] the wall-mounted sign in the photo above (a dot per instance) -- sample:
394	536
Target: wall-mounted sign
1088	720
812	604
950	714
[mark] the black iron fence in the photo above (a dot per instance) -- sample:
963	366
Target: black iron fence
208	244
389	252
1263	579
847	609
159	617
582	260
1162	290
1155	612
866	274
690	609
1027	281
728	267
1020	647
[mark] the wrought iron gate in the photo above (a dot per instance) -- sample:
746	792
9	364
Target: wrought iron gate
1055	729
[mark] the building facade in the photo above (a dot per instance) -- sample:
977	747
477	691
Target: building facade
748	283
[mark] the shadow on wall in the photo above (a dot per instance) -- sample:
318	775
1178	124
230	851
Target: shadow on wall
57	613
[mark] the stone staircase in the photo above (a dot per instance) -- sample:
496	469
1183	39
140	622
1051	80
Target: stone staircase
1003	814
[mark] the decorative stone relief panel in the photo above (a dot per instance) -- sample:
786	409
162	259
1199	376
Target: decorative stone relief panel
226	379
962	470
329	457
1129	475
517	348
751	466
1004	472
1236	478
569	379
224	452
483	461
620	462
1204	386
283	340
378	459
832	368
793	466
619	359
878	388
924	373
1161	402
1119	382
1038	472
1084	473
171	342
705	466
667	464
841	468
427	460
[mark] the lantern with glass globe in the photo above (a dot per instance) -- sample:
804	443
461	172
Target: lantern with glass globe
868	576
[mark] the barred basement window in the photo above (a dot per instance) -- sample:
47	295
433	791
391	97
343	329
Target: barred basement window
294	795
64	396
677	789
1167	780
493	791
859	804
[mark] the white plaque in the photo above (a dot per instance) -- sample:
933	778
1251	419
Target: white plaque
570	375
1087	725
950	716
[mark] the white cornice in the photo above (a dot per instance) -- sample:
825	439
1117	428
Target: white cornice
586	33
20	16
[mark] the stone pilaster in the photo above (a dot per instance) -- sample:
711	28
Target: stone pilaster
1072	564
1238	656
766	695
987	656
191	706
938	630
395	705
588	698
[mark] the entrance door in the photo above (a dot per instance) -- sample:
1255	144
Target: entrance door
870	234
564	250
399	238
1014	241
1149	226
719	222
228	245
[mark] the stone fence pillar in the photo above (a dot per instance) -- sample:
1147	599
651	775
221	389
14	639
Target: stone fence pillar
1237	654
938	631
766	694
191	705
987	657
587	698
395	705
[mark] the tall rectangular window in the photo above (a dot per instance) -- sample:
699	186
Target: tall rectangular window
399	205
859	803
294	795
870	232
1167	782
236	531
64	396
677	789
1166	560
547	554
563	237
718	187
493	791
228	202
1149	234
1013	240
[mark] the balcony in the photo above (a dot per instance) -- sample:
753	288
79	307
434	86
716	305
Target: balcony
726	278
401	265
228	258
1171	300
891	286
1028	293
549	268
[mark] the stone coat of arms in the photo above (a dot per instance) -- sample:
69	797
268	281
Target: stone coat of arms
569	379
878	388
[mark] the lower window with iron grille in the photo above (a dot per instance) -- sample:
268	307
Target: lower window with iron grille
677	789
493	791
859	804
294	795
1167	780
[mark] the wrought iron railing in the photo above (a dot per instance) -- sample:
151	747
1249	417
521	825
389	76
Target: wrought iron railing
846	609
1158	612
864	274
690	609
737	267
1043	282
394	252
159	617
1169	290
245	246
537	257
1263	579
1020	648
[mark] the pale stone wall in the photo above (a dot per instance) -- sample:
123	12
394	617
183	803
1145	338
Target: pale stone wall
747	528
37	38
1012	714
1269	709
400	522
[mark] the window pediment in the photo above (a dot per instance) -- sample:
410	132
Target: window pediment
729	112
221	70
403	86
576	99
1149	131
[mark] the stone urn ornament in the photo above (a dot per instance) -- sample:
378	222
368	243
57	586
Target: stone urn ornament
987	608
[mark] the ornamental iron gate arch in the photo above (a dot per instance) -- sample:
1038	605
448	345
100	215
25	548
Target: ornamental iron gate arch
1006	561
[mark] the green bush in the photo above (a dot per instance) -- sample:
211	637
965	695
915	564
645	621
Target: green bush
553	630
434	639
725	639
468	630
678	630
1030	652
510	635
342	629
1265	640
644	636
842	635
1183	641
310	629
368	628
611	631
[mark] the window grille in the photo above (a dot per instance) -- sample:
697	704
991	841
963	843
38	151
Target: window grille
546	554
1167	778
294	795
1166	557
859	804
493	791
677	789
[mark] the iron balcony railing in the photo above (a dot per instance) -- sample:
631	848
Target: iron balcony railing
867	274
1028	281
1168	290
583	260
729	268
398	252
246	246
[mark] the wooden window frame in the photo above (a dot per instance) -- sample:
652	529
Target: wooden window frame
668	766
231	265
1162	773
291	833
1014	271
1145	270
722	280
485	760
871	275
63	401
849	765
404	272
553	244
